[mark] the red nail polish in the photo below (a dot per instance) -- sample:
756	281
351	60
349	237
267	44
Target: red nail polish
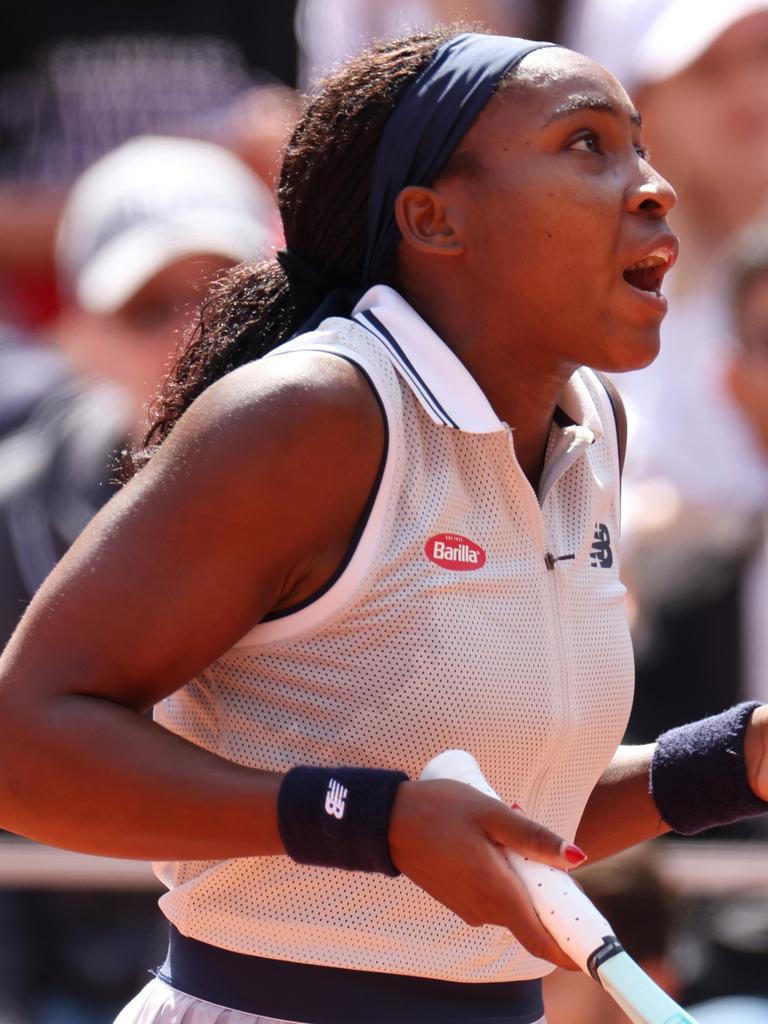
516	807
573	854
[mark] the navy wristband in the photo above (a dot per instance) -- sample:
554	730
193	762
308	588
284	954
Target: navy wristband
699	775
338	817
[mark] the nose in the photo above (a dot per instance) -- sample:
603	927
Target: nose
653	195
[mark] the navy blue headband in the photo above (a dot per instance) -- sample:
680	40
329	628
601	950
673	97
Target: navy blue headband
431	118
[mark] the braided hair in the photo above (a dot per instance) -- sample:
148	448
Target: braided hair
323	201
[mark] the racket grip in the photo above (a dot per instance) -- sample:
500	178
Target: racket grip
568	915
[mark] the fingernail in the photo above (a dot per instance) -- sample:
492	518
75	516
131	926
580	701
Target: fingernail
516	807
572	853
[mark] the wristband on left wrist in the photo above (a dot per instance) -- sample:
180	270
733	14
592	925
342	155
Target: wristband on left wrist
698	776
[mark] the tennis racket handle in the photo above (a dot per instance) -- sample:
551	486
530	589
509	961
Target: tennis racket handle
567	914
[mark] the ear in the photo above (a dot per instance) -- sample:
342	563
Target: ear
424	223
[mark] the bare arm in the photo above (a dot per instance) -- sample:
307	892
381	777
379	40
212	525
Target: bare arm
621	812
194	551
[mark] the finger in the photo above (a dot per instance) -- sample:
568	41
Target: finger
511	907
511	828
490	893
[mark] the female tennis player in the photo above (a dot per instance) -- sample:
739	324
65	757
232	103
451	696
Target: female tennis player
379	518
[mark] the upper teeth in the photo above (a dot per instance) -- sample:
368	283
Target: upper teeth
658	258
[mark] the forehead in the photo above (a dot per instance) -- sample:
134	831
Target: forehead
552	71
548	84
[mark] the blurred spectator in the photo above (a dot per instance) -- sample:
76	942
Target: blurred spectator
143	230
629	892
747	376
695	481
328	31
76	81
28	371
723	950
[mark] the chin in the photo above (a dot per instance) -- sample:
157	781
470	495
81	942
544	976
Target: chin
629	354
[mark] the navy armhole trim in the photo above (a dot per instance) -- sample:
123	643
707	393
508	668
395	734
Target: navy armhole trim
337	995
362	522
620	419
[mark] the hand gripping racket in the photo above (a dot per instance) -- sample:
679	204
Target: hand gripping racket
571	918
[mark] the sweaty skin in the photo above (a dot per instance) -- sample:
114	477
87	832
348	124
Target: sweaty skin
214	533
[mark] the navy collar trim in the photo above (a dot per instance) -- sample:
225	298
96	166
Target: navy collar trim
441	382
372	322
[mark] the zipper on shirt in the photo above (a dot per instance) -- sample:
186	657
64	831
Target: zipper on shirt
550	560
564	677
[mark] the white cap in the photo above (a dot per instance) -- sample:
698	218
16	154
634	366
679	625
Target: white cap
151	202
642	41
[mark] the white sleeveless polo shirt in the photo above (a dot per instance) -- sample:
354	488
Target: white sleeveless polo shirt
472	613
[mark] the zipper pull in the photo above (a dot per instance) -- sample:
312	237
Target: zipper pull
550	559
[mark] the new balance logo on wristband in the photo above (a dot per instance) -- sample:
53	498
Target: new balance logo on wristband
335	799
601	554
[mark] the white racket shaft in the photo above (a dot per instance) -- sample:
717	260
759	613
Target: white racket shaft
571	918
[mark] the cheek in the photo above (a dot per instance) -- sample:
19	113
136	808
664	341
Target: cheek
550	246
576	243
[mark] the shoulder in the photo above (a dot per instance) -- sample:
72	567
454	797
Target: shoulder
295	432
299	402
248	504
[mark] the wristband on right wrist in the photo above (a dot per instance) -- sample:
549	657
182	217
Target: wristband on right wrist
699	776
338	817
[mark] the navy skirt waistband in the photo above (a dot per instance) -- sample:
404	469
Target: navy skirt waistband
335	995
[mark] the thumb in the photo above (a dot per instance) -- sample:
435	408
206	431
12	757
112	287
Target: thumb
512	829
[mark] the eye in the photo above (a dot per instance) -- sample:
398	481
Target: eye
587	142
643	152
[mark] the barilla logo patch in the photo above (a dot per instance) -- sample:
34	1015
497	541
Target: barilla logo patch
452	551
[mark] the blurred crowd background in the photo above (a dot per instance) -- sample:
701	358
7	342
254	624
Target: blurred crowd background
138	150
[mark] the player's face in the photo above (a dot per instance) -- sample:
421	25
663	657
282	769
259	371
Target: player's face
564	223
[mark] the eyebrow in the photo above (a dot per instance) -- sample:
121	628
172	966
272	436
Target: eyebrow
576	103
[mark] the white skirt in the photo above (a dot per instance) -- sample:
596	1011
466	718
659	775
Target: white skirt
158	1003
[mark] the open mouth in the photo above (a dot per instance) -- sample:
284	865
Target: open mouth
648	273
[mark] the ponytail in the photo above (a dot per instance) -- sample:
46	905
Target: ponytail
323	201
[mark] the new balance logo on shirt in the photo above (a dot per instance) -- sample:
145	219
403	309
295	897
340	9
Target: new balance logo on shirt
335	799
601	555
